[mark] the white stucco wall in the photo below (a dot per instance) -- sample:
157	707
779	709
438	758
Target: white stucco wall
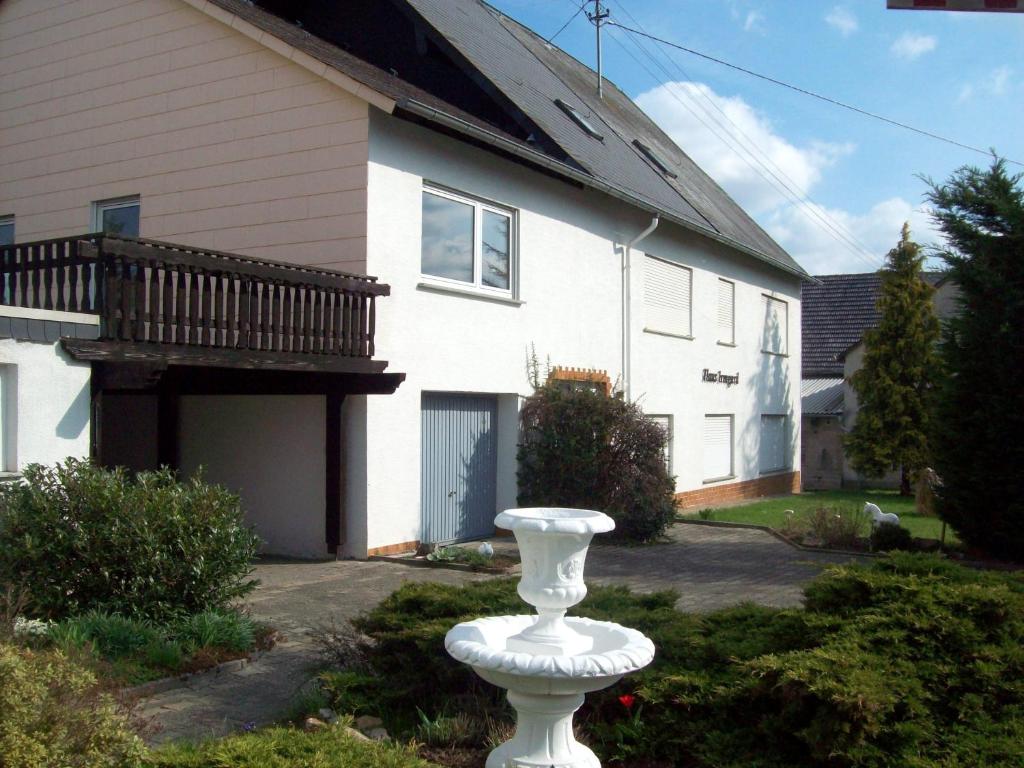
45	407
270	450
569	283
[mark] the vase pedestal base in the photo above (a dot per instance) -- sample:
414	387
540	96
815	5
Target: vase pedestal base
544	737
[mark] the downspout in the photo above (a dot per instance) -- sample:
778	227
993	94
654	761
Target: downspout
627	304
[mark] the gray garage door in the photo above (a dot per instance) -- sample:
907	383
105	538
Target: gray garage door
459	466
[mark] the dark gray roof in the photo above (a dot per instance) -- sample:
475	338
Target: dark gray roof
835	312
517	67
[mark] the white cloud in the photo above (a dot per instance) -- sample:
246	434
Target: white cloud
910	45
754	22
997	84
801	233
1000	81
843	20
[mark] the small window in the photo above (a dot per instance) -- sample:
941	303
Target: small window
656	160
575	115
726	312
117	217
665	422
6	230
773	454
467	241
717	447
776	325
667	297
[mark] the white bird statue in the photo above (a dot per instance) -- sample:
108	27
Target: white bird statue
878	516
486	549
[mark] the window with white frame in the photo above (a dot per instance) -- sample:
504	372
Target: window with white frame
776	325
665	422
6	230
116	217
667	297
726	312
773	453
718	439
467	242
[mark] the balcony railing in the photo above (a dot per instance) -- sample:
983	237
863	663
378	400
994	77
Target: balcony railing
165	294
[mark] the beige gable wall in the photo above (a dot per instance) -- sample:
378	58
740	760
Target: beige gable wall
230	145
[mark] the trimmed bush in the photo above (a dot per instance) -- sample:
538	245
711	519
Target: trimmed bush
888	536
146	547
584	449
914	661
53	713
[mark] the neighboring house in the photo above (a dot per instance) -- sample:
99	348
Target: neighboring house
435	144
837	310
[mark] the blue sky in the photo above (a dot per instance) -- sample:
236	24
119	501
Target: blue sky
960	75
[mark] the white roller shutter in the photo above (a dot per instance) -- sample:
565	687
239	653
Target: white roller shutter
667	296
726	311
776	325
665	422
773	443
717	447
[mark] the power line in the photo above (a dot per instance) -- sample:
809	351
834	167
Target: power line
814	211
571	18
812	94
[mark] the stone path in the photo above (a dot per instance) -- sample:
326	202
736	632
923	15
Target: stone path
711	567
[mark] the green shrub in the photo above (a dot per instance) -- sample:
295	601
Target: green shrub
329	747
221	629
150	547
110	635
889	536
52	713
585	449
914	661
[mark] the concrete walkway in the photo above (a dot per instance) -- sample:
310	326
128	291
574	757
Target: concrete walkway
711	567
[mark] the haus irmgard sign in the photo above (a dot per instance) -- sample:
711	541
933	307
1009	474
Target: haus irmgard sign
717	377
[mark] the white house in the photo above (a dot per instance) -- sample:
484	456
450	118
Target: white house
439	146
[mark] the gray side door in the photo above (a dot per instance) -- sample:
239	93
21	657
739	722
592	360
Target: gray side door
459	466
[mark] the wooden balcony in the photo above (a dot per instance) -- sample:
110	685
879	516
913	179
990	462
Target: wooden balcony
170	304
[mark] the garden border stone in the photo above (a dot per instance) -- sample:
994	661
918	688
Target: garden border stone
153	687
780	537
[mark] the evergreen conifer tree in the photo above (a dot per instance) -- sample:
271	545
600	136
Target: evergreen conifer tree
891	431
979	417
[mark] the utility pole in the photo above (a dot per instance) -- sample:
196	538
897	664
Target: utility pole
597	18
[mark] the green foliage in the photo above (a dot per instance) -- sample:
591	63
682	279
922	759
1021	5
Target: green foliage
110	635
52	713
457	730
912	662
891	431
150	547
980	401
888	536
584	449
215	629
329	747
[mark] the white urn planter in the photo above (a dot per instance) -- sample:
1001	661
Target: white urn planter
547	662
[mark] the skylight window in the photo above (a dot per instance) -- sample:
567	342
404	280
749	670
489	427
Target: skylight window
655	158
575	115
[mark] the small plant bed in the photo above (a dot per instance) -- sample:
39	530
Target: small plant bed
835	520
123	651
912	661
461	558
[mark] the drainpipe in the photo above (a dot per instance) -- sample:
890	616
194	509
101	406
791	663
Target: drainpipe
627	304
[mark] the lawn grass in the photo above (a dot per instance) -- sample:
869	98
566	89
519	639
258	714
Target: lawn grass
772	512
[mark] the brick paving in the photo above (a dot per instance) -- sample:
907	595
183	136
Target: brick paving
711	567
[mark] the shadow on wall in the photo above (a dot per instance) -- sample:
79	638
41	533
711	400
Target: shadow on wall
477	511
76	417
770	388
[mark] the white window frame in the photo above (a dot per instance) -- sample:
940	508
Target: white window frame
785	457
731	341
732	445
653	327
479	206
766	303
664	420
10	220
99	206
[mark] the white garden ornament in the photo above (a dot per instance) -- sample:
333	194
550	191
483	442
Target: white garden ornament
878	516
547	661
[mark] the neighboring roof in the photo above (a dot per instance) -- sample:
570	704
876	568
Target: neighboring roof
821	397
514	67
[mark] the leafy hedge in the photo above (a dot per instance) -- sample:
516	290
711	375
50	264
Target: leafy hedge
584	449
914	662
52	713
81	538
